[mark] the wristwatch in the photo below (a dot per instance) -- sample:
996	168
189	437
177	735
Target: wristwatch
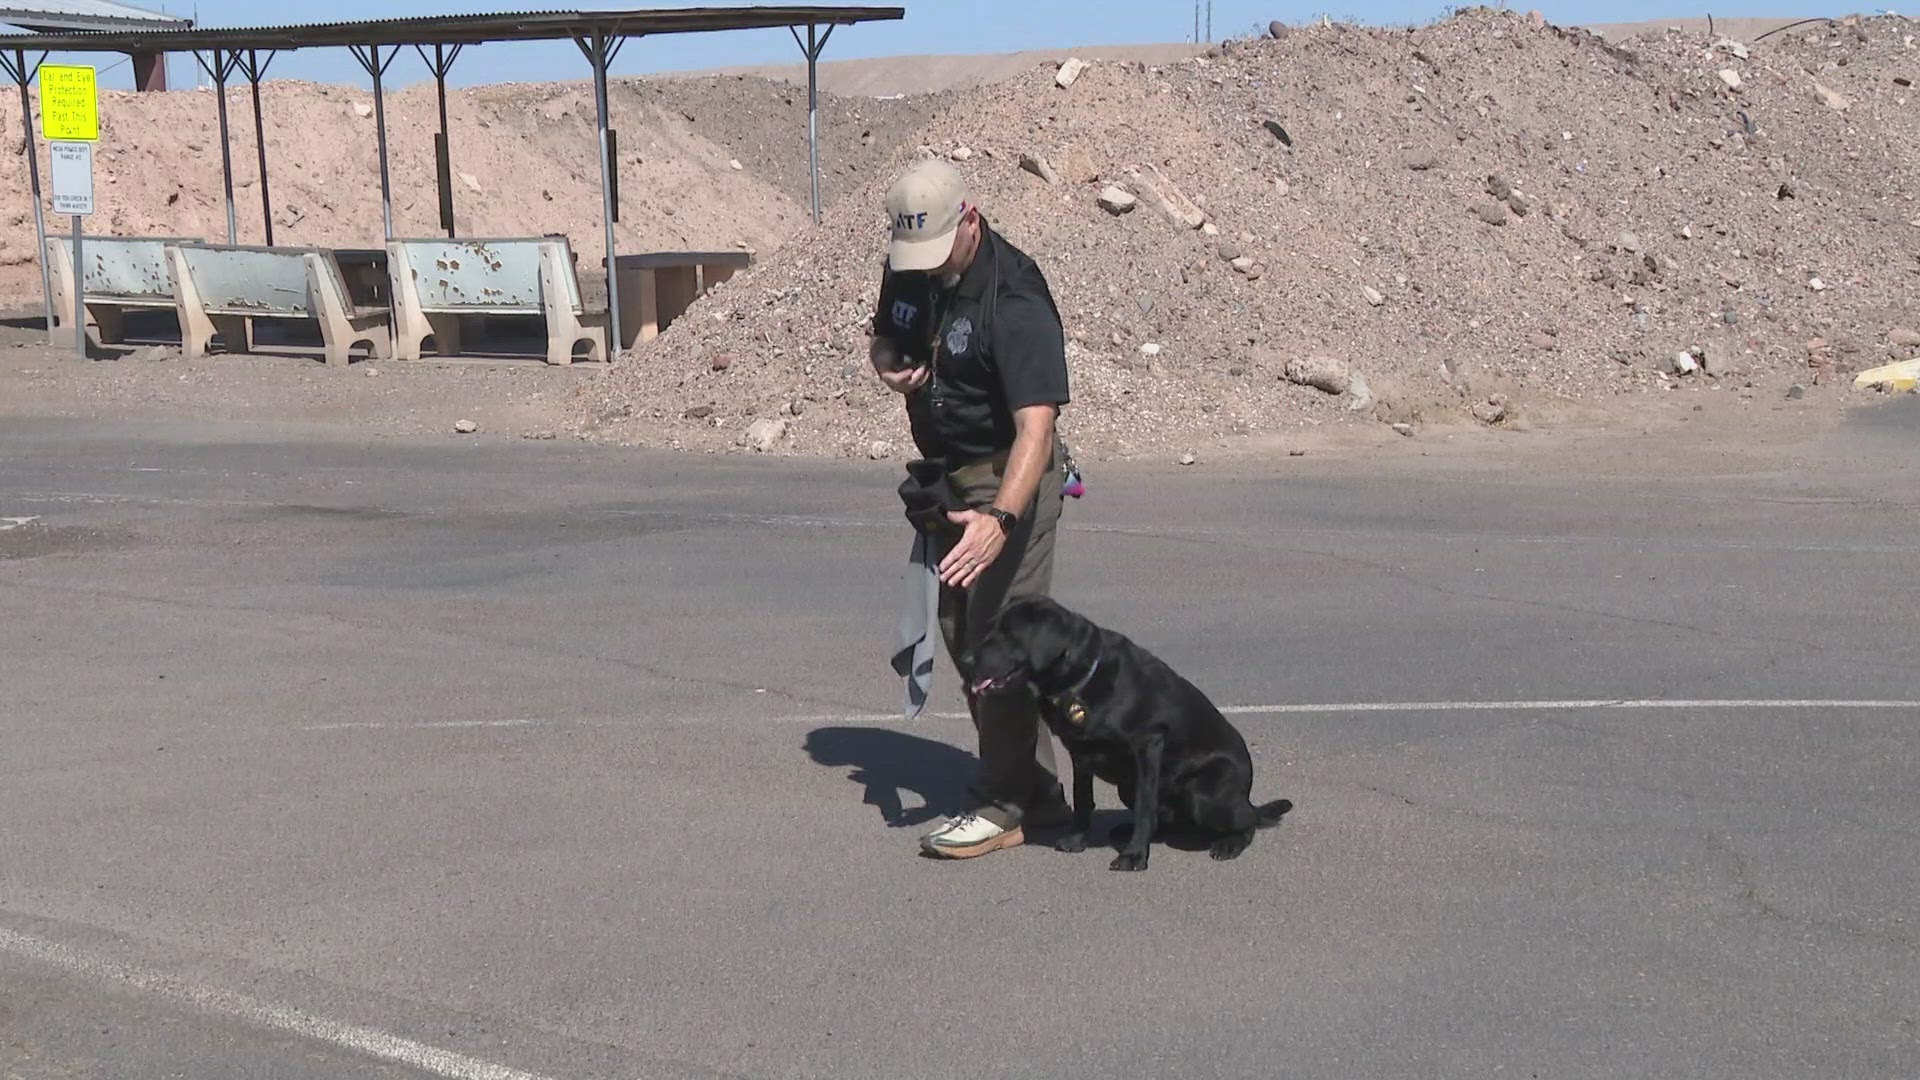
1006	519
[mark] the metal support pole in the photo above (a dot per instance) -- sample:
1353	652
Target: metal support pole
370	58
600	50
23	75
79	293
813	47
440	64
223	65
255	71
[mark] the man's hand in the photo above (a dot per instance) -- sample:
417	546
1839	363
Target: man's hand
979	546
883	356
906	381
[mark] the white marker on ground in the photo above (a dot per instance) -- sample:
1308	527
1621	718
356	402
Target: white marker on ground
363	1040
1593	704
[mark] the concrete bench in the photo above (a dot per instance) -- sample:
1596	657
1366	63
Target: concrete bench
219	288
659	286
122	273
437	282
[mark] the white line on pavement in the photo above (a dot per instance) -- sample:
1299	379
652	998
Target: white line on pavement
353	1037
1596	704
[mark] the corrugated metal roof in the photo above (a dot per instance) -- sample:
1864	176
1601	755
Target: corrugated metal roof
457	29
86	15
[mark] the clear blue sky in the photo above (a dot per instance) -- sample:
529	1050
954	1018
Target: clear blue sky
930	26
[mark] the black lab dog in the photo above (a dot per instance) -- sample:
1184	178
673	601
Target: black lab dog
1131	720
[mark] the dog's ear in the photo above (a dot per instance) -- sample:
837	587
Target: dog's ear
1049	633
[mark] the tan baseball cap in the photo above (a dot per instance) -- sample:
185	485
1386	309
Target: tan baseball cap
925	206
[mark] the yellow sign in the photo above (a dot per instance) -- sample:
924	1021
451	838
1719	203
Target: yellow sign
69	103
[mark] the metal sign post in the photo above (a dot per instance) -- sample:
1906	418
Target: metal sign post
70	122
72	172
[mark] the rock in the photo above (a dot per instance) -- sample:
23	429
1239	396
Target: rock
1281	187
1816	284
362	110
1323	373
796	407
1276	29
1150	348
1373	295
1628	242
1796	392
1404	429
1116	201
1519	205
1278	132
1168	197
1236	371
465	427
1359	395
1730	77
1256	272
1732	46
962	153
1903	338
880	450
543	435
720	363
1038	166
1683	363
1543	341
1491	411
1831	98
472	182
1499	187
1070	70
1187	459
1210	229
763	434
1242	263
734	164
1229	252
1423	161
1491	213
698	412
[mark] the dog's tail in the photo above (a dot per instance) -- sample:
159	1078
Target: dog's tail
1266	817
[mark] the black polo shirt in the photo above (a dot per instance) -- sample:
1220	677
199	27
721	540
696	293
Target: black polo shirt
994	342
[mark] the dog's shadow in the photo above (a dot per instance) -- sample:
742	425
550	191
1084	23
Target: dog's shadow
888	763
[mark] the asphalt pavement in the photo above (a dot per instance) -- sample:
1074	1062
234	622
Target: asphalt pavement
327	757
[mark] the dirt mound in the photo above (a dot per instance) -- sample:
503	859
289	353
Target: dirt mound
1485	219
524	158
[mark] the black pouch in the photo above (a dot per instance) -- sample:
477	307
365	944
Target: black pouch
929	496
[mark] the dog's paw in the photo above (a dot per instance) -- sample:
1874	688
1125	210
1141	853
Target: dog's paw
1072	843
1128	860
1229	847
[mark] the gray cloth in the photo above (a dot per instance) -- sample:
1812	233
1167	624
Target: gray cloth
918	639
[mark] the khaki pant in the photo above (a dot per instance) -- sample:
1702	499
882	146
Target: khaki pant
1016	750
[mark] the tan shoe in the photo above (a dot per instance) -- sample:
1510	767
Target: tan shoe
970	836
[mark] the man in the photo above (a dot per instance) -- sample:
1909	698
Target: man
967	330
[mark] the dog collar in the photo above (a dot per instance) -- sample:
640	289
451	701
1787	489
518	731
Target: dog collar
1069	700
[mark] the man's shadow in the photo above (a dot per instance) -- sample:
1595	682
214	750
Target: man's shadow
890	762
